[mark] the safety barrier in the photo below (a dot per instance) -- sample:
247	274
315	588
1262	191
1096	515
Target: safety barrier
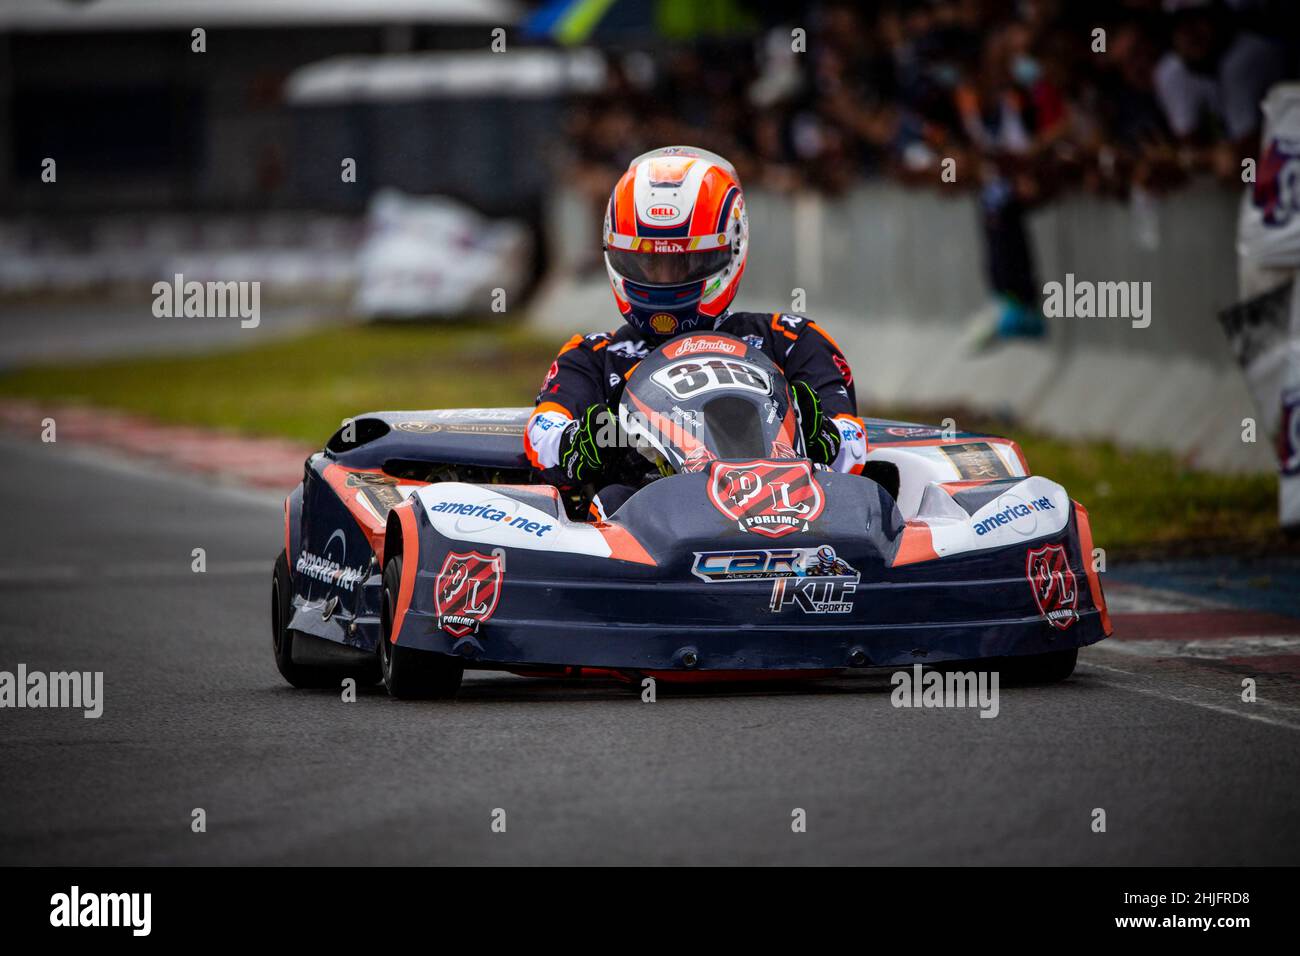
898	275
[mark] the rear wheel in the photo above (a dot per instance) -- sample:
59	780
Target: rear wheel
1040	668
283	639
411	674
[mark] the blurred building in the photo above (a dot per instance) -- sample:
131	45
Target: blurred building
113	91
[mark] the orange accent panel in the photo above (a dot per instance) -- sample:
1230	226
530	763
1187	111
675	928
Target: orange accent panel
410	564
622	545
1094	579
789	426
371	527
916	545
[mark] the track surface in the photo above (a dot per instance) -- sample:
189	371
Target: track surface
96	576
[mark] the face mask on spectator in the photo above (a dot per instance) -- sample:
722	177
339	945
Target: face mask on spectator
1025	69
946	75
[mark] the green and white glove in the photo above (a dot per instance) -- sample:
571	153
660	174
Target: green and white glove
820	436
580	451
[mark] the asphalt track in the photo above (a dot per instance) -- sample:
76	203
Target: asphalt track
96	575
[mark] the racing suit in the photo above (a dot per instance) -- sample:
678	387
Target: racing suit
589	369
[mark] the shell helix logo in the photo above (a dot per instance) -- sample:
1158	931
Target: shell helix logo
663	323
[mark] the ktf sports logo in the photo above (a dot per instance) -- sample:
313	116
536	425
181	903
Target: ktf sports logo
814	580
825	585
771	498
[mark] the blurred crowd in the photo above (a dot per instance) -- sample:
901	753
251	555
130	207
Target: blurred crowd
1029	97
1167	89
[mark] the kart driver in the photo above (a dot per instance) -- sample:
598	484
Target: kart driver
676	238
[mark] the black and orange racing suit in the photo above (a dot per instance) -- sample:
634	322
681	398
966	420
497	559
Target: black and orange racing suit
591	368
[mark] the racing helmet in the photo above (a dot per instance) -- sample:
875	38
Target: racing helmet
676	239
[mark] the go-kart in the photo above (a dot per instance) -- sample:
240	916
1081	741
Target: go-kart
419	544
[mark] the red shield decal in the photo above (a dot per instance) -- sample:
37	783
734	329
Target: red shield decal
771	498
1056	591
467	591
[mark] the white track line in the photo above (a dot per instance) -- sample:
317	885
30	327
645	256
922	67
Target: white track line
180	568
1208	648
1125	598
1277	715
139	468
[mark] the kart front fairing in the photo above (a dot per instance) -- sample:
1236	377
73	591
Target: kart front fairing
748	557
673	581
744	558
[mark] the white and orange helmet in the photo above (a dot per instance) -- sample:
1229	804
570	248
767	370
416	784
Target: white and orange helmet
676	238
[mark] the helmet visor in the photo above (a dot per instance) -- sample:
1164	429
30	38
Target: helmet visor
668	268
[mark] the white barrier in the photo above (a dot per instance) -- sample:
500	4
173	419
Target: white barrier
897	274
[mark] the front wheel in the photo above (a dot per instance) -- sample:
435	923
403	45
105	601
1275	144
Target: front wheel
411	674
283	639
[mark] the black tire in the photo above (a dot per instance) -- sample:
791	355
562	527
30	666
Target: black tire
282	640
411	674
1047	668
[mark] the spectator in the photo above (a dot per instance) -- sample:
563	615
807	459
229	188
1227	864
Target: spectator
1016	92
1212	80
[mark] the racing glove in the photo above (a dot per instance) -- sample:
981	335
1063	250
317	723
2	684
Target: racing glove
580	450
820	436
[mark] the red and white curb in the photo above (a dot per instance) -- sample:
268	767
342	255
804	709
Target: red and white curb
265	463
1160	623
